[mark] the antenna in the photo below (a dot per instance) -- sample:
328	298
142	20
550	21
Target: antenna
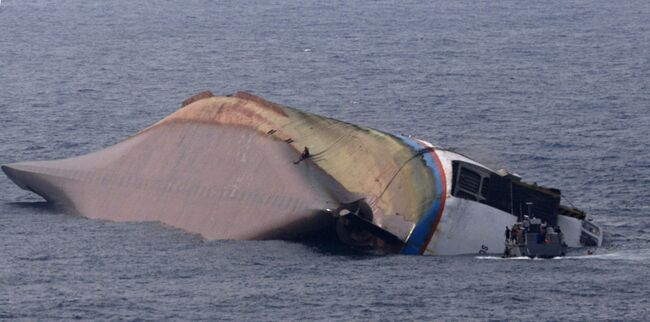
562	195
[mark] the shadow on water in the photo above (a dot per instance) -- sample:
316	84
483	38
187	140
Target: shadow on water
326	243
331	246
41	206
340	249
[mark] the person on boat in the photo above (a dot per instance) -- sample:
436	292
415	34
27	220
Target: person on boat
526	223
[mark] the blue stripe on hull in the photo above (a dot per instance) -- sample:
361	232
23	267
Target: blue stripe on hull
423	229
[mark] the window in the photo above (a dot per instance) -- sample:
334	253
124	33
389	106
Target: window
484	187
470	181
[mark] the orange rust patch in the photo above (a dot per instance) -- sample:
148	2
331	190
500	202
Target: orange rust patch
197	97
242	109
222	110
270	105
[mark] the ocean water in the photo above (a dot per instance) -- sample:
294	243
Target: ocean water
557	91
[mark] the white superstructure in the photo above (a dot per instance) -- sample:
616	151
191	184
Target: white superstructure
468	222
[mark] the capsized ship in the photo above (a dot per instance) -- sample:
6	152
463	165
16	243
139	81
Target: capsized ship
240	167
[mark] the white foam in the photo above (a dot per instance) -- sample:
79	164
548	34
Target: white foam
507	258
626	255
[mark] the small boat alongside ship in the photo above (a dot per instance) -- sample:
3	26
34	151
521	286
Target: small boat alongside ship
534	238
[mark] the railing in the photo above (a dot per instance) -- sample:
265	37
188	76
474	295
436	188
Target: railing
590	235
591	228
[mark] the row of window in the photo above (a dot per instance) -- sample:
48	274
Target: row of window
471	183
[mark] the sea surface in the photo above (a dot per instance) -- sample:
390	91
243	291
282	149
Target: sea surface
557	91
